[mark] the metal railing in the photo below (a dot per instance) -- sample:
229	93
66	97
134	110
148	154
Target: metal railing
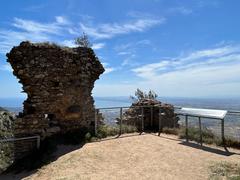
12	149
141	118
22	139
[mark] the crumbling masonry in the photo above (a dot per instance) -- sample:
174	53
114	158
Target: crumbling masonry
58	82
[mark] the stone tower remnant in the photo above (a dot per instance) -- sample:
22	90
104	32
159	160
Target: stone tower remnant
58	82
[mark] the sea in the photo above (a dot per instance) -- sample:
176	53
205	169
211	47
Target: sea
232	121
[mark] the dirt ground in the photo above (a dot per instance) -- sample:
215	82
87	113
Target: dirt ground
132	157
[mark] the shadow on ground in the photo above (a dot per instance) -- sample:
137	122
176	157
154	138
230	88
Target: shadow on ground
223	152
19	171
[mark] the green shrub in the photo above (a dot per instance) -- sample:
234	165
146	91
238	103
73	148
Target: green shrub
167	130
194	135
107	130
88	137
208	136
6	155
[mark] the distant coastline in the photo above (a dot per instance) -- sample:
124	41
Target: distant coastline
214	103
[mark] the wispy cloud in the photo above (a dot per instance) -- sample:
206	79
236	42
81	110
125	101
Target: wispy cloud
9	38
128	51
6	67
26	29
31	30
62	20
69	43
107	68
36	27
205	73
191	74
129	61
209	57
96	46
105	31
181	9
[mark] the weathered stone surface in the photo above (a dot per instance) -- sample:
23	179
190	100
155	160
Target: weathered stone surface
58	82
151	122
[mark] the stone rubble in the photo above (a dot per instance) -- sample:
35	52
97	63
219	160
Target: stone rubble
134	114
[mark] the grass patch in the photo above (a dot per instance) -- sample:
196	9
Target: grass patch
208	136
174	131
106	130
224	170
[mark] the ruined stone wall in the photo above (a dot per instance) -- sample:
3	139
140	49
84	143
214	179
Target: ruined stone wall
58	82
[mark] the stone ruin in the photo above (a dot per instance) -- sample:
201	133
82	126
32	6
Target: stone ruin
58	82
150	109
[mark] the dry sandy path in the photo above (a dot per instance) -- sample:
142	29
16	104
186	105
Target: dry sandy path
136	157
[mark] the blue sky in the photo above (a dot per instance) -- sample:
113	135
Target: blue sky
188	48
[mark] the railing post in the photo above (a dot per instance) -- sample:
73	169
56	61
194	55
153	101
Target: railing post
186	121
223	136
38	142
96	121
120	127
142	120
200	130
160	122
151	116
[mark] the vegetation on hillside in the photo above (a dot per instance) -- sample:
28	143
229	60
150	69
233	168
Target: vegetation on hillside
6	148
2	109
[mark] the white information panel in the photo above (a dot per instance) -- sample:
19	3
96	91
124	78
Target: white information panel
208	113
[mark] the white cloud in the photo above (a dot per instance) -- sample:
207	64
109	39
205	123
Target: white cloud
31	30
129	61
69	43
217	52
36	27
124	53
107	68
62	20
149	70
210	72
129	51
9	38
6	67
210	57
96	46
104	31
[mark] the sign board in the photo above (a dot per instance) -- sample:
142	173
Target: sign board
207	113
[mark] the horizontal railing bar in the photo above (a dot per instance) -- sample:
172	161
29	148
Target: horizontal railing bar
189	115
113	107
176	107
233	112
118	107
19	139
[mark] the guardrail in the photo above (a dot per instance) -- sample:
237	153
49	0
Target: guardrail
141	117
22	138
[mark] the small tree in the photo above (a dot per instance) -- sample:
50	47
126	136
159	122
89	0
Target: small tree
83	41
139	95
